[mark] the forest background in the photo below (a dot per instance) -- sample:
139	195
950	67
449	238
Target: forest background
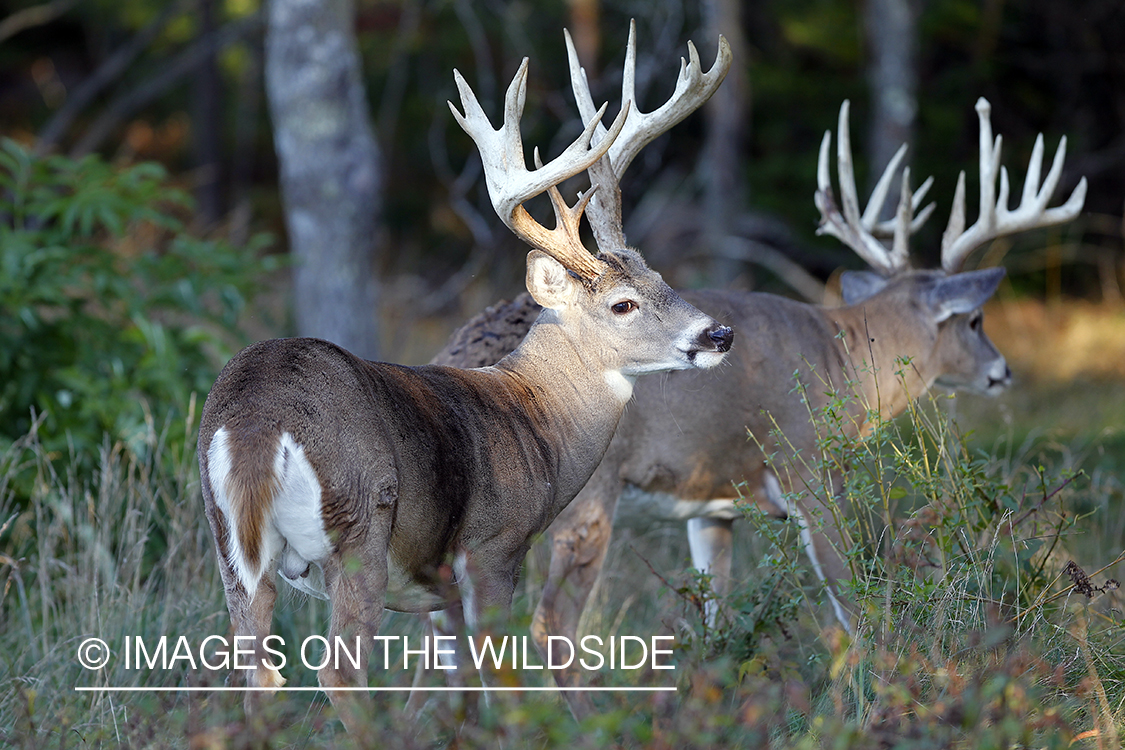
156	153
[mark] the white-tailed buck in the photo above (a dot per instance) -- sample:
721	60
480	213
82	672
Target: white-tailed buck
682	446
365	483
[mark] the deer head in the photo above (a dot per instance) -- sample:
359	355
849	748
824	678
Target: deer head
951	297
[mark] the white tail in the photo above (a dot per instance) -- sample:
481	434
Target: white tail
681	447
366	482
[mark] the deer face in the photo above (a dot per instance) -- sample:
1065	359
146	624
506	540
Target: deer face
643	325
940	320
970	361
967	359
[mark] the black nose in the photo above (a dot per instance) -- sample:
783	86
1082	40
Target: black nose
722	337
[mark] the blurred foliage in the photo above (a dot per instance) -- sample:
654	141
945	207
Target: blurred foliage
976	625
111	313
1046	66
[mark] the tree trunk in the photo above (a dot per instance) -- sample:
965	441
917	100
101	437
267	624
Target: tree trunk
892	75
329	166
727	124
207	125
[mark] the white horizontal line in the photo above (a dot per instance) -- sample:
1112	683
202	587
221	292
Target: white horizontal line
310	689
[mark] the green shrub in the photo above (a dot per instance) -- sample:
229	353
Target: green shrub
977	627
111	313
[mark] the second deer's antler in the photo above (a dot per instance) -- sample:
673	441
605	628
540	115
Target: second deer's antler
510	183
995	218
861	233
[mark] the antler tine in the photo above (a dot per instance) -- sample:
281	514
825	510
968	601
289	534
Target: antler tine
995	219
861	232
510	183
566	232
693	88
900	250
879	197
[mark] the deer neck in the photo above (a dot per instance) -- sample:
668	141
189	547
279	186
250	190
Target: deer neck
578	401
884	350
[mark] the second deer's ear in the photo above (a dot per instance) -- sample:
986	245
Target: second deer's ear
856	286
548	281
964	292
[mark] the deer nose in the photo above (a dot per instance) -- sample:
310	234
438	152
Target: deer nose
1004	381
722	337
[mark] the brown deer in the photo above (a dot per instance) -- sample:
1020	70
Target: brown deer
368	483
681	447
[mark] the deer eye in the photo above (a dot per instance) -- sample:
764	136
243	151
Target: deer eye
623	307
975	322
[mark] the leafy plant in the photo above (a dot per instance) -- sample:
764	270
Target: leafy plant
112	314
975	627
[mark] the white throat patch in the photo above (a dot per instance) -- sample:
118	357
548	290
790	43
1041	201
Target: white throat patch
620	384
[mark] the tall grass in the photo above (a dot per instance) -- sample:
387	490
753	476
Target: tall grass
976	631
978	624
117	552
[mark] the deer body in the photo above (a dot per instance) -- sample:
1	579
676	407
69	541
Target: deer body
363	481
415	488
682	447
459	425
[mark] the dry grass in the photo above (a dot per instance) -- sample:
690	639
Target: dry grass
1060	343
127	551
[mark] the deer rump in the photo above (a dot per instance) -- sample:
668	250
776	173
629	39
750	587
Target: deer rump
290	492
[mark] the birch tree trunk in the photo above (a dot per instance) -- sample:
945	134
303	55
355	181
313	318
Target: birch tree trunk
330	168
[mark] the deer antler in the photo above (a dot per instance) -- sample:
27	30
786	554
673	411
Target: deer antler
995	219
861	233
693	88
510	183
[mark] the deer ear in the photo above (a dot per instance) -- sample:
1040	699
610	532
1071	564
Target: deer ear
856	286
963	292
550	284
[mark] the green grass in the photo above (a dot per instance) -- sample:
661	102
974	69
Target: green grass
991	648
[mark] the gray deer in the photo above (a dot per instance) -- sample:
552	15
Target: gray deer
682	445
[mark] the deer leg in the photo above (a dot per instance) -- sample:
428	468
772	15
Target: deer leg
356	579
824	543
486	592
710	540
250	617
251	620
417	697
446	622
579	537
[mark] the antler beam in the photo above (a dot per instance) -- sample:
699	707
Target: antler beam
693	88
995	219
861	233
510	183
